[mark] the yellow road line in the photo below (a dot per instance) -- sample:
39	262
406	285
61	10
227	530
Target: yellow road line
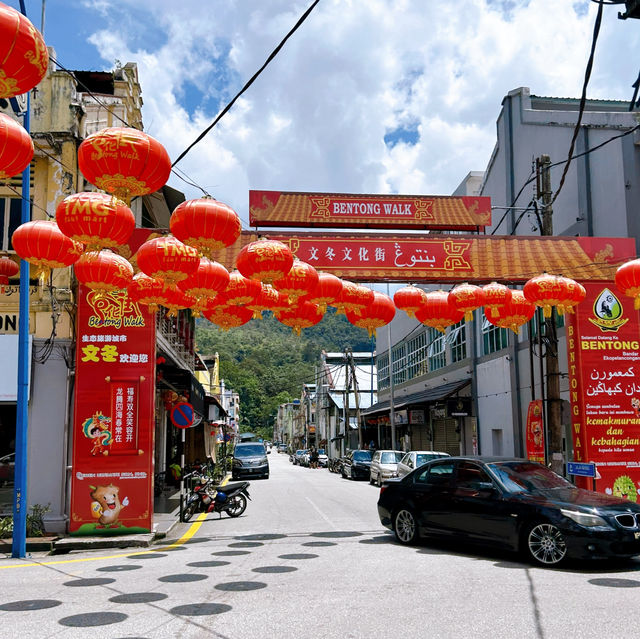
193	529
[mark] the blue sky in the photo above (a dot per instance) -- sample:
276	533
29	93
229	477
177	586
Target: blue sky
382	96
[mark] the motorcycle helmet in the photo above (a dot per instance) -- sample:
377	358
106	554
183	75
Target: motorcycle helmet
221	497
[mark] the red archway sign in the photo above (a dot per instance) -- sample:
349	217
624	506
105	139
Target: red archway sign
182	415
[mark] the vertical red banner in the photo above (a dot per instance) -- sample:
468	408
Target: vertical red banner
603	347
111	490
535	432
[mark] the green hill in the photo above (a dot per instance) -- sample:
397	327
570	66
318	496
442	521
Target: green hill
267	364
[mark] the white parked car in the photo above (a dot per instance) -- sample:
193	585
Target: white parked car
384	465
323	460
415	458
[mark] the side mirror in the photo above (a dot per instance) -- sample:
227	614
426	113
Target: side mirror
410	464
484	487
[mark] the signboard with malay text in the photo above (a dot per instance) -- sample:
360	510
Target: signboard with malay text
111	491
343	210
603	346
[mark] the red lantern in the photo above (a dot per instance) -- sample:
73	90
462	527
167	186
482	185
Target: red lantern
124	161
516	312
97	220
546	291
8	268
302	316
409	299
268	300
205	224
495	297
265	260
176	299
103	271
23	53
377	314
227	317
209	279
241	290
628	281
354	297
327	293
466	298
147	291
167	258
301	280
576	292
438	312
16	147
44	245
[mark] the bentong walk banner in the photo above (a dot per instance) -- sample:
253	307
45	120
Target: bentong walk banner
603	346
112	468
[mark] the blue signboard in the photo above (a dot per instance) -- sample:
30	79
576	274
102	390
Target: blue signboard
582	469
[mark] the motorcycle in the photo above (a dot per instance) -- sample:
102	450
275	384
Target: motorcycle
205	497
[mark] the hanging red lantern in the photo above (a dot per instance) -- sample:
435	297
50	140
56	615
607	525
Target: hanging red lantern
205	224
23	53
103	271
282	303
241	290
409	299
466	298
576	294
147	291
44	245
209	279
377	314
516	312
327	293
304	315
627	280
546	291
97	220
354	297
495	297
16	146
124	161
176	299
227	317
8	268
167	258
265	260
438	312
301	280
268	300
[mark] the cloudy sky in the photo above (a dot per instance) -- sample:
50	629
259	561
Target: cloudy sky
368	96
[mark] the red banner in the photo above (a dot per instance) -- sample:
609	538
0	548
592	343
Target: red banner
535	432
603	345
342	210
111	491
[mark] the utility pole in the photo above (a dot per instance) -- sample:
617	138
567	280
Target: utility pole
347	388
554	405
357	396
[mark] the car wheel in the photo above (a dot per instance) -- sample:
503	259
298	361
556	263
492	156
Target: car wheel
371	479
545	544
379	481
405	527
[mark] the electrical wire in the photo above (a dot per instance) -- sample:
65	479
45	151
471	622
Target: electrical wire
583	99
271	56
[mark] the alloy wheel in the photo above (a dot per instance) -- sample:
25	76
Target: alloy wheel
546	544
405	527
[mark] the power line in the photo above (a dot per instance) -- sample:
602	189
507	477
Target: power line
271	56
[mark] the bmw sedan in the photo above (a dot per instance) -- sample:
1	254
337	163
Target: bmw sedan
514	504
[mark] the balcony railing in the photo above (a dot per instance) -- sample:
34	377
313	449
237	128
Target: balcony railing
168	337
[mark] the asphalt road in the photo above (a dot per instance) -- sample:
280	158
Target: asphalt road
310	559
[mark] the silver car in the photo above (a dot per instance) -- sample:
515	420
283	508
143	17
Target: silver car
384	465
415	458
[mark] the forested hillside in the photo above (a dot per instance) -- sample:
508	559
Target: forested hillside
267	364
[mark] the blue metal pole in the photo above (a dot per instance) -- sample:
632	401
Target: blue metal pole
20	504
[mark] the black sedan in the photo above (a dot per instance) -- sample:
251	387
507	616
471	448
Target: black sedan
510	503
356	464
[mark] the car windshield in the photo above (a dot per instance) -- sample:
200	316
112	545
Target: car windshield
528	477
249	451
362	455
425	457
390	458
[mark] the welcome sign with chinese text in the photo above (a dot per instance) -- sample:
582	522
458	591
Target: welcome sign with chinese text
112	472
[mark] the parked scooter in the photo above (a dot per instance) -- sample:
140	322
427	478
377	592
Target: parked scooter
205	497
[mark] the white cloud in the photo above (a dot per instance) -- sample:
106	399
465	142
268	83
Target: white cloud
317	117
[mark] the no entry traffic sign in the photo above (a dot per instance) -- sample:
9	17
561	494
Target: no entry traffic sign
182	415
